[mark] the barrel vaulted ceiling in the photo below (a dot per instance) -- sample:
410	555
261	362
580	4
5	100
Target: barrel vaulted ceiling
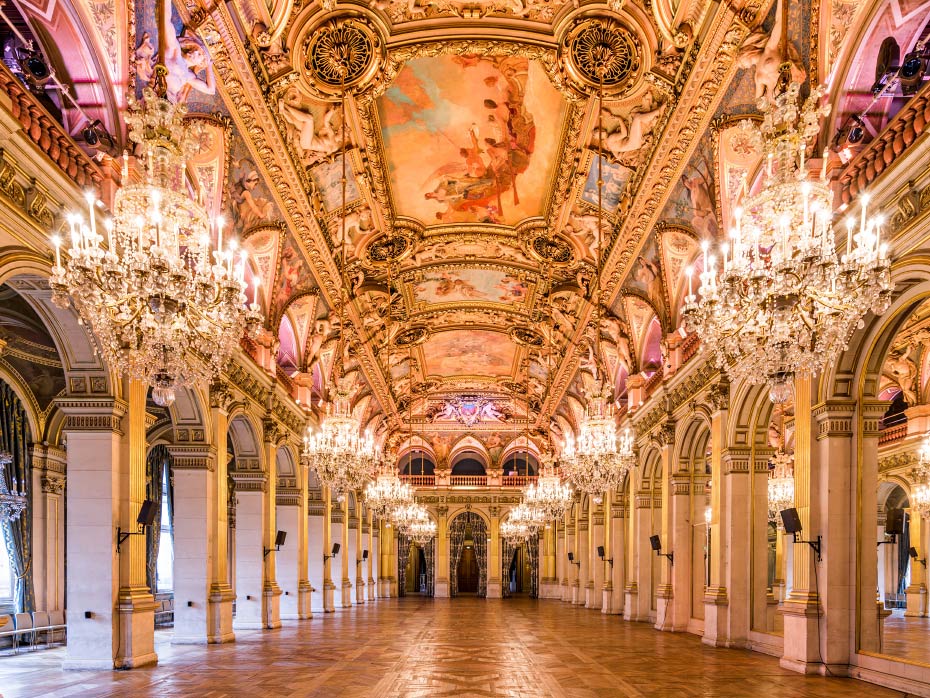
472	155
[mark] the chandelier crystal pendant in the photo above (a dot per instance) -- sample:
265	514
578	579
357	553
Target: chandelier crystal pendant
548	495
164	305
514	532
528	517
780	484
12	500
920	492
598	460
422	530
342	457
781	301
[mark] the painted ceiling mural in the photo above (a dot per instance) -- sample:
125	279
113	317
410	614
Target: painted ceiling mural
455	195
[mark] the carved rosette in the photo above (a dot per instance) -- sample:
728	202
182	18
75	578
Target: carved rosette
552	249
343	54
602	52
412	336
389	248
527	337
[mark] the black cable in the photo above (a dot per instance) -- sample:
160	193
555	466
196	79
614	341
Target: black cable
819	646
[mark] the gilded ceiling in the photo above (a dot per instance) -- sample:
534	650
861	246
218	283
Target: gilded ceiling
440	160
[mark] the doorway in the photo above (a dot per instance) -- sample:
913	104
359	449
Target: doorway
468	554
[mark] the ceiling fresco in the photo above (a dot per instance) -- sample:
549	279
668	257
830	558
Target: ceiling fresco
466	230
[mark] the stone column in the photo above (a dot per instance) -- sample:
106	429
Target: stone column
221	593
779	584
762	598
48	526
583	555
916	592
570	585
616	551
329	589
110	610
494	555
680	541
251	484
291	517
643	527
372	588
716	598
345	587
665	615
595	589
361	527
271	592
548	580
304	588
442	590
802	608
196	519
561	563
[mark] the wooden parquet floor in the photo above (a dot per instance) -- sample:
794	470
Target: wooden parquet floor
414	647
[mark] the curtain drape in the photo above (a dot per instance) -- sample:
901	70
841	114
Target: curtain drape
532	551
507	549
904	559
155	465
403	556
17	535
430	552
456	543
480	534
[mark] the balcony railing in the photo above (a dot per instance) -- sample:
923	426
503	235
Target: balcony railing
419	480
892	433
469	481
517	480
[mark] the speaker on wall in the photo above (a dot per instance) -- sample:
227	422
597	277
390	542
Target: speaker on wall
147	513
791	520
894	522
655	542
600	551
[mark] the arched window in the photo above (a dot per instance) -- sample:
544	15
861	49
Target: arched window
520	463
416	462
468	464
6	579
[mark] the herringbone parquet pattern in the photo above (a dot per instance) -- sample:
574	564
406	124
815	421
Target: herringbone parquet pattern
424	648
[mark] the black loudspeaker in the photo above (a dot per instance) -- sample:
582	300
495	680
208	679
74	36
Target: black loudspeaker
279	538
571	557
655	542
791	521
912	551
336	547
147	513
364	554
894	522
600	551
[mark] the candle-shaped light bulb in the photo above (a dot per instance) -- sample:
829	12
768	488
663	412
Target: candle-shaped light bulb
108	226
56	241
850	224
883	250
243	256
865	204
724	250
256	282
91	199
220	221
705	246
689	272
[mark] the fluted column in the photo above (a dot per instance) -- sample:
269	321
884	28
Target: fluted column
361	536
916	592
221	593
271	592
671	512
494	555
716	598
442	553
329	589
345	589
614	545
596	575
372	587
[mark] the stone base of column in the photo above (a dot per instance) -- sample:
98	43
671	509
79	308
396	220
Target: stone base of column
220	614
494	589
329	597
345	594
665	610
136	629
592	597
371	589
916	601
802	653
441	590
271	606
359	590
607	601
384	588
565	590
716	617
630	597
576	594
304	600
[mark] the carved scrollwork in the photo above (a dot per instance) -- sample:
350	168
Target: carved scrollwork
391	248
527	337
552	249
412	336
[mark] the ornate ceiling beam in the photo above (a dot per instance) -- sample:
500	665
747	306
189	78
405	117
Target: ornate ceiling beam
240	89
700	82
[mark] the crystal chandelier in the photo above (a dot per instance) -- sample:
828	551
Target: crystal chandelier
548	495
387	492
514	532
12	500
527	516
164	305
782	301
342	457
780	484
409	516
422	530
920	492
598	460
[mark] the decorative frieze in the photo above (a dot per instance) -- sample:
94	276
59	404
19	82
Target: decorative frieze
736	460
193	457
287	496
834	419
255	481
53	483
100	414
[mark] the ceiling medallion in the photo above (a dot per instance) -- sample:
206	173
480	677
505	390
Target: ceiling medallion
602	51
343	54
388	249
412	336
553	249
526	337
